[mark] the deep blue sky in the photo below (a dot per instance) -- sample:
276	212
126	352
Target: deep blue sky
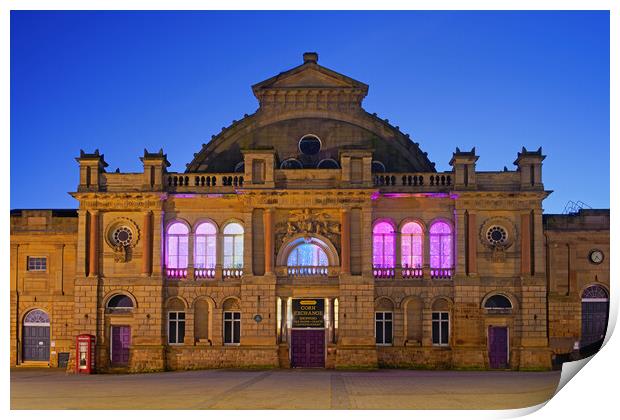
123	81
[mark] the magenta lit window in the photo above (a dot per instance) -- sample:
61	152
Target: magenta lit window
177	238
411	245
441	245
383	245
205	245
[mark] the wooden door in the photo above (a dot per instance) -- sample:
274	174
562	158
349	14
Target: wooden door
121	340
308	348
498	347
36	343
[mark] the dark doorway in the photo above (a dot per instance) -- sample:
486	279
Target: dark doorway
308	348
121	340
594	314
36	337
498	347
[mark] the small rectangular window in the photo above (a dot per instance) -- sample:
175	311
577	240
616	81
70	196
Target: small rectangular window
383	328
176	327
232	327
37	263
356	170
441	328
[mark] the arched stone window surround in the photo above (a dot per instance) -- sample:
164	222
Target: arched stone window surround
42	315
405	304
452	239
318	165
231	300
319	240
383	263
513	300
169	224
168	303
402	236
435	302
602	286
309	135
385	303
117	292
211	307
224	243
291	159
197	236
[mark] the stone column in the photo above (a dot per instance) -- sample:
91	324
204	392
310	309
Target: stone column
284	314
345	241
147	244
472	248
268	227
526	264
190	255
219	255
93	258
459	246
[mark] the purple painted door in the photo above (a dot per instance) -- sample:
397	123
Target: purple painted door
498	347
121	340
308	348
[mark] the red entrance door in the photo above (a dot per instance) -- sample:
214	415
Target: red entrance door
121	340
308	348
498	347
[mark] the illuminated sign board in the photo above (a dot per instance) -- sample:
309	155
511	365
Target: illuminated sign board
308	313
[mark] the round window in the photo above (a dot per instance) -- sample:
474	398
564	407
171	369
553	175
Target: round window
123	236
310	144
496	235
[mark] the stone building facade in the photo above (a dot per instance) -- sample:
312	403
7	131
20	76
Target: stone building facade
308	234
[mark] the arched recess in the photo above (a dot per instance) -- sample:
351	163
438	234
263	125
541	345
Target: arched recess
594	317
413	307
203	319
441	303
319	240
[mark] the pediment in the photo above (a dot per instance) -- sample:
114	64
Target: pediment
310	75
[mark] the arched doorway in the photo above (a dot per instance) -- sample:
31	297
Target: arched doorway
594	314
36	336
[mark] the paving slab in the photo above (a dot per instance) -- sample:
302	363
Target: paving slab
281	389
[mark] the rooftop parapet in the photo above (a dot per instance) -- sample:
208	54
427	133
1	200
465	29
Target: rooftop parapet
529	165
92	165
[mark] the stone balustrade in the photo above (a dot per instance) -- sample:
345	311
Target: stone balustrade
404	273
307	271
418	181
220	182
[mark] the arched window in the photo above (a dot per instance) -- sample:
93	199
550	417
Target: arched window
36	317
383	245
307	255
411	245
205	245
327	164
498	302
377	166
233	246
177	237
441	245
291	163
120	303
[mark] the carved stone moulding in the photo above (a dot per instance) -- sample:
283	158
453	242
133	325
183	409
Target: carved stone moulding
122	235
498	234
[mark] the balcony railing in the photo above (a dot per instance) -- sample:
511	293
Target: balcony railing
415	181
442	273
176	273
307	271
204	273
203	182
232	273
412	273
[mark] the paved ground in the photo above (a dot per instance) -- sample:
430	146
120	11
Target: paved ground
281	389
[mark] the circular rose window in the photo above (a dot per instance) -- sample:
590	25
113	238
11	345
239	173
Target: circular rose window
122	235
496	235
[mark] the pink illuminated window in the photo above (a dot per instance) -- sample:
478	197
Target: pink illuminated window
441	245
233	246
177	237
383	244
205	245
412	238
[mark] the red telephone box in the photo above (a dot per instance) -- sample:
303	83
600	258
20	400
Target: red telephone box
85	353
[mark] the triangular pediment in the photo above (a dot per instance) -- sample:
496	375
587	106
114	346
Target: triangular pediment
310	75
